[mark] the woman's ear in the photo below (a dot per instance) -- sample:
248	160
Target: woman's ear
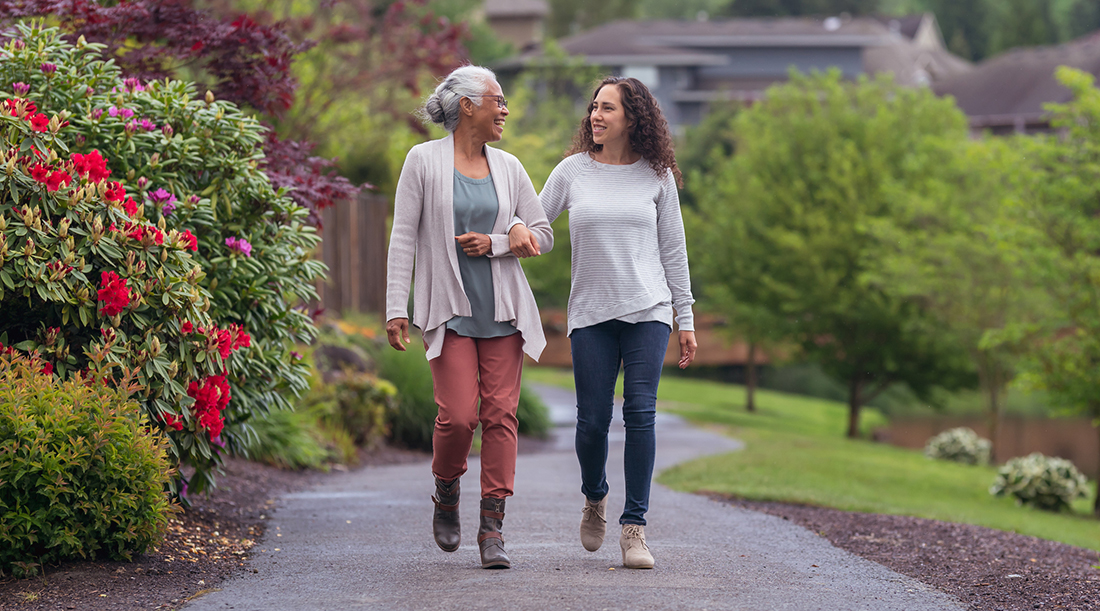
467	106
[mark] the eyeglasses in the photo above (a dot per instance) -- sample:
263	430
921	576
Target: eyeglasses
501	102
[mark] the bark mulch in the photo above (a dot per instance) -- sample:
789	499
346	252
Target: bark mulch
988	570
203	547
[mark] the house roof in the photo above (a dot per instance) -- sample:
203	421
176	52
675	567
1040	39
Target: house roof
1015	85
499	9
678	42
907	26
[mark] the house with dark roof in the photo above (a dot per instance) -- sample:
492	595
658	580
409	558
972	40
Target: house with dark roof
519	22
1007	93
691	64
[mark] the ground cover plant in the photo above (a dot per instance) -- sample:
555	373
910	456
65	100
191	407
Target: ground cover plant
793	454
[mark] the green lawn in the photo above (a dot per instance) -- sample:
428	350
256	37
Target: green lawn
795	452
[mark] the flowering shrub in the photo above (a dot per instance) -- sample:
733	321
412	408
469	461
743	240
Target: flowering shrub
960	445
188	168
81	474
1040	481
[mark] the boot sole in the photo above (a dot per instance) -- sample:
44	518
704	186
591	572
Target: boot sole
453	549
497	565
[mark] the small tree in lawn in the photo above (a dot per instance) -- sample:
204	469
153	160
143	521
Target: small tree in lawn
811	170
944	248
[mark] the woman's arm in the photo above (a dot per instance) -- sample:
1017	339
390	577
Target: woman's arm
672	245
407	207
529	212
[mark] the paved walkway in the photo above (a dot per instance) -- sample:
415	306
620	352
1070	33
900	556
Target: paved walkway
363	541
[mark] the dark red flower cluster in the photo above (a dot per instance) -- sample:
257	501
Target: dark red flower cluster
115	192
12	106
92	165
138	231
114	293
50	177
40	122
233	338
189	241
47	368
211	397
130	206
173	422
187	328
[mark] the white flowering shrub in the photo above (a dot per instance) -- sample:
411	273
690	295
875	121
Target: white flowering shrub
1040	481
959	445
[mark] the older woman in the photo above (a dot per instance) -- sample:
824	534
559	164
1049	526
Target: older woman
455	201
629	272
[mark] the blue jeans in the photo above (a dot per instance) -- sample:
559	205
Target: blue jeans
598	352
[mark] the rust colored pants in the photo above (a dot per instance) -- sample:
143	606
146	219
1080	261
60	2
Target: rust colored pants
468	369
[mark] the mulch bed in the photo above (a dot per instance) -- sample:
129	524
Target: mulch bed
989	570
203	547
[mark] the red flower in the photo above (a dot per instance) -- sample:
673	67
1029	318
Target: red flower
187	328
47	369
211	397
93	165
240	337
114	293
53	182
40	122
172	421
115	192
130	206
225	343
40	172
190	242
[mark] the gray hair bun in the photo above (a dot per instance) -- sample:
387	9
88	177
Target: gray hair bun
442	106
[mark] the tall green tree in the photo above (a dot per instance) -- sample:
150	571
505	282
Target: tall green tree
817	161
1060	223
571	16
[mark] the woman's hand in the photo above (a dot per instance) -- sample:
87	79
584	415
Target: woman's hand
522	242
396	330
687	348
475	244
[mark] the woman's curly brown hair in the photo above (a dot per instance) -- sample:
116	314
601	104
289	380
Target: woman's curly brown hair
649	134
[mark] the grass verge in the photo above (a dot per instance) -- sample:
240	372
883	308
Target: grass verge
795	452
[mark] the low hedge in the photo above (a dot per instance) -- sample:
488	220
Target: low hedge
81	473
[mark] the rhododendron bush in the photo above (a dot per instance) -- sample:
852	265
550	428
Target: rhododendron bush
140	210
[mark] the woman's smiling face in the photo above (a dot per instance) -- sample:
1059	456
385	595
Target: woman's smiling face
609	121
489	117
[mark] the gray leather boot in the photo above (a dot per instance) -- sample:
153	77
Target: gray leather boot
445	525
489	539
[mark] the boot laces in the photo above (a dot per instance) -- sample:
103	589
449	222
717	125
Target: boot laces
635	534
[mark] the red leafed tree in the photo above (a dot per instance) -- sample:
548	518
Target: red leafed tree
371	47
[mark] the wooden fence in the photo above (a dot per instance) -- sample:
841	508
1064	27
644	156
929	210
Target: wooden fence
353	245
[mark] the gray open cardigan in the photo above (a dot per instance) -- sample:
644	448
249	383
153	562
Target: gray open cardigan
423	231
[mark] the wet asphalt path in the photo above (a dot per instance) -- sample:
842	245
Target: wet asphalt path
363	541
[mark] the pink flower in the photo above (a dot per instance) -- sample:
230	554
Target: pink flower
148	125
48	68
112	111
97	113
166	130
240	245
21	89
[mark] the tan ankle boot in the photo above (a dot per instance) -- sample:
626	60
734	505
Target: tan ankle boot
489	539
635	551
593	523
445	524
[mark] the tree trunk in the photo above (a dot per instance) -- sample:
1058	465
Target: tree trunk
855	387
750	379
